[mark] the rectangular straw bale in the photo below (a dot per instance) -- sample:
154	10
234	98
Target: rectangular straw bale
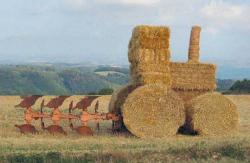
188	95
149	56
144	31
150	37
140	68
149	43
151	78
193	76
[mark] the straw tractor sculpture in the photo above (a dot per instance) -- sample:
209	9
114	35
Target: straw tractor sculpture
162	99
165	97
57	116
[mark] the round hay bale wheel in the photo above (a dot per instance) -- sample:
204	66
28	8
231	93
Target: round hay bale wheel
119	97
212	114
153	111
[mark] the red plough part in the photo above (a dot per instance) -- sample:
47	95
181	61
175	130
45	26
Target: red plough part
29	115
57	116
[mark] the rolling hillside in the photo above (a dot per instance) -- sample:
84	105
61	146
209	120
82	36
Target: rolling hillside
59	79
53	80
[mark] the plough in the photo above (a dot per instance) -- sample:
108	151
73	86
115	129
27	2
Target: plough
57	116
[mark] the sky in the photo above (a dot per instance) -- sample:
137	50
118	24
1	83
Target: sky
98	31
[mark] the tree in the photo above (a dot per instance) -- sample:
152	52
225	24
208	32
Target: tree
241	86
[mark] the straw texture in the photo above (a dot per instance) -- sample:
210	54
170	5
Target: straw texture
188	95
212	114
151	78
149	55
153	111
193	76
150	37
194	45
118	98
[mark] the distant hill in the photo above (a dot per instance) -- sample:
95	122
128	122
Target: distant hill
59	79
112	68
240	87
51	80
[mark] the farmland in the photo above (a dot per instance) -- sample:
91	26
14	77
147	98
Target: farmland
105	147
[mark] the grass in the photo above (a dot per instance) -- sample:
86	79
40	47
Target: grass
105	147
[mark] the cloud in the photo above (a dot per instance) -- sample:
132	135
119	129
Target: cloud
224	15
178	12
76	4
131	2
214	16
83	3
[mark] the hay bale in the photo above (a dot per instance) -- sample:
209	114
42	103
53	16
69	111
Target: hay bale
193	76
151	78
194	45
146	31
212	114
119	97
149	56
150	37
153	111
142	68
188	95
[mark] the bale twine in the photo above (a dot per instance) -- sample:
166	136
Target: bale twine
212	114
119	97
153	111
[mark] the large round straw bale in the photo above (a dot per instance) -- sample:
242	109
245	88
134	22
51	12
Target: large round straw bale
119	97
212	114
153	111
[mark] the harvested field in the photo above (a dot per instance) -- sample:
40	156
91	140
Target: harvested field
105	147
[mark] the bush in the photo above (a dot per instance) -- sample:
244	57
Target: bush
106	91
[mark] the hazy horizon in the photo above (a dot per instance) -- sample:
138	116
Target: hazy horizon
98	31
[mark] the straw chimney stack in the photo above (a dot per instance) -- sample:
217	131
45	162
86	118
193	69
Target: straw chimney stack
194	45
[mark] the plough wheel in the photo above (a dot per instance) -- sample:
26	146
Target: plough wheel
27	129
55	130
84	131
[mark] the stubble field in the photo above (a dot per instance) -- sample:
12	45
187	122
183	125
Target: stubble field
105	147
